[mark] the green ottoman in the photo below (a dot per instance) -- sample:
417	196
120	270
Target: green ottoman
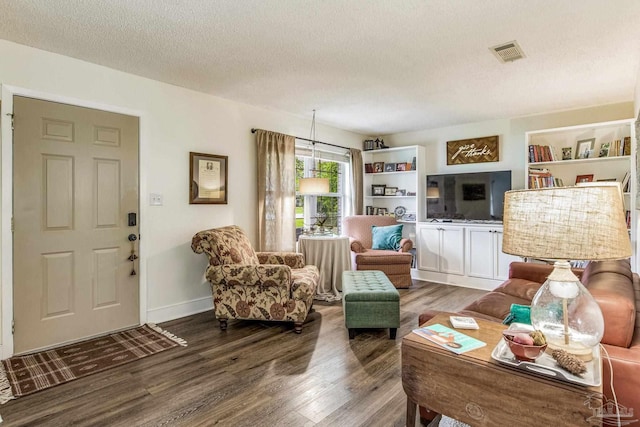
370	300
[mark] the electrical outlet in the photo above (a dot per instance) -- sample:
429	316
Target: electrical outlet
155	199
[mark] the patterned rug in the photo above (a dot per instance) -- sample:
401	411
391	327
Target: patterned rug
22	375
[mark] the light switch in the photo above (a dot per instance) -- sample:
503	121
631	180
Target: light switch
155	199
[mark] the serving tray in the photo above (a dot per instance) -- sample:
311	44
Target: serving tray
546	366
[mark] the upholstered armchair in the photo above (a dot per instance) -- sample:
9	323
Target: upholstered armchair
275	286
395	263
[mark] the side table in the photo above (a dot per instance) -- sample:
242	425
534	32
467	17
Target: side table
475	389
331	254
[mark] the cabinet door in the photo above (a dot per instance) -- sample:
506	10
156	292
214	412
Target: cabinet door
481	252
503	260
452	250
428	249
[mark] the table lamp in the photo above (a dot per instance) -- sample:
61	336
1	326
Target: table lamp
562	224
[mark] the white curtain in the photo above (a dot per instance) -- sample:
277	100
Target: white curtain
356	182
276	191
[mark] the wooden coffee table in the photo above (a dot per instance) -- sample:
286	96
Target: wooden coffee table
474	388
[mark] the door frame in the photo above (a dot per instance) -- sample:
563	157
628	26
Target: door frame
6	201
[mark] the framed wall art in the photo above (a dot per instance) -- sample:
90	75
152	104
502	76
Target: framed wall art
207	179
474	150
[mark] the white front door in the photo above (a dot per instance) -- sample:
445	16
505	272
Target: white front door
75	181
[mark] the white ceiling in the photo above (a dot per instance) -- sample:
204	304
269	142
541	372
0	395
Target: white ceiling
370	66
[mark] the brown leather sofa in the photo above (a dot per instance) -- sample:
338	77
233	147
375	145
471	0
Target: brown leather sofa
617	291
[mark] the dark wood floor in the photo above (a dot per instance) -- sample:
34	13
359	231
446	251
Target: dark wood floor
254	374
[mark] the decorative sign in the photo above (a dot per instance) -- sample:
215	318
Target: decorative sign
475	150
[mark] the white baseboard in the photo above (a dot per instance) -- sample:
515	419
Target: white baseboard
182	309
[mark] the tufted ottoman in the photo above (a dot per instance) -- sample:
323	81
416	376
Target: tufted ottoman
369	300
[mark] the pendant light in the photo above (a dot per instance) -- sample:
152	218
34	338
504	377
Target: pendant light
313	185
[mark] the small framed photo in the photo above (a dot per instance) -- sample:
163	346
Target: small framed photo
604	149
584	178
369	210
401	167
382	211
368	167
390	191
584	147
389	167
378	167
207	179
378	190
567	153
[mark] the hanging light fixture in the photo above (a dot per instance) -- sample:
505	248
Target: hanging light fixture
313	184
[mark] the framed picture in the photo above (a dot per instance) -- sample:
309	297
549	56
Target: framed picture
389	167
390	191
369	210
584	178
401	167
368	167
567	153
377	190
604	149
584	147
208	179
474	150
381	211
378	167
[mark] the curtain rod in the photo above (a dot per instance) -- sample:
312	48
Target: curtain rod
254	130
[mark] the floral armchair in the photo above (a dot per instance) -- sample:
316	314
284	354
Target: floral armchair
255	285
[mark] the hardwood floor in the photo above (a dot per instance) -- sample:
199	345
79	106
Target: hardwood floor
254	374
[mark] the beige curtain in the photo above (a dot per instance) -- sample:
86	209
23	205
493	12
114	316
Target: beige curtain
276	191
356	182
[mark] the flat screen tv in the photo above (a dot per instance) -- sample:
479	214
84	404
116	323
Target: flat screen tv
475	196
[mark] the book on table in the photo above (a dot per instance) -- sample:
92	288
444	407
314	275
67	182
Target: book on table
448	338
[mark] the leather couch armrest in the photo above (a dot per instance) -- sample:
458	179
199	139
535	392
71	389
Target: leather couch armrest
530	271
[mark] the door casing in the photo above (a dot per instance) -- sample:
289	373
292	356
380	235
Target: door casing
6	200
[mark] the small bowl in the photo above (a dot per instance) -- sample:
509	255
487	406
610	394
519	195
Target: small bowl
523	353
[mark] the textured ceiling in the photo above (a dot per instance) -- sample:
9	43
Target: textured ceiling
373	67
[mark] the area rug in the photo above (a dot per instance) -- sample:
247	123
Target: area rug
23	375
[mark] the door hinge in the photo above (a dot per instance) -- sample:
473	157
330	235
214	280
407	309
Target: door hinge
11	115
13	225
13	327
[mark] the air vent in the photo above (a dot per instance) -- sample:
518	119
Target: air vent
508	52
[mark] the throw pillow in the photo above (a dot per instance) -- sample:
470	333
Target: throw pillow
386	237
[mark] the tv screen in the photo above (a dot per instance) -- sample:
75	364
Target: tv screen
475	196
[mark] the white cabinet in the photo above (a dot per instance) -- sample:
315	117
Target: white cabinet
398	170
462	253
484	255
440	248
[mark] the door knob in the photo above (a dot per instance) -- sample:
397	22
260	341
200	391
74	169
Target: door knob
132	237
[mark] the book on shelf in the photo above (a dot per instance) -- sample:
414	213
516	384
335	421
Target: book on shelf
463	322
626	182
448	338
542	153
542	178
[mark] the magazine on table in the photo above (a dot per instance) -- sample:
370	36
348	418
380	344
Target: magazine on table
448	338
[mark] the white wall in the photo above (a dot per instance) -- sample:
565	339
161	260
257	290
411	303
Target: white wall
175	121
512	138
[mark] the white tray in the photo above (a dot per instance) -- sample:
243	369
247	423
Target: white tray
546	366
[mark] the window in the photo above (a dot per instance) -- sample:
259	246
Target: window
321	213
